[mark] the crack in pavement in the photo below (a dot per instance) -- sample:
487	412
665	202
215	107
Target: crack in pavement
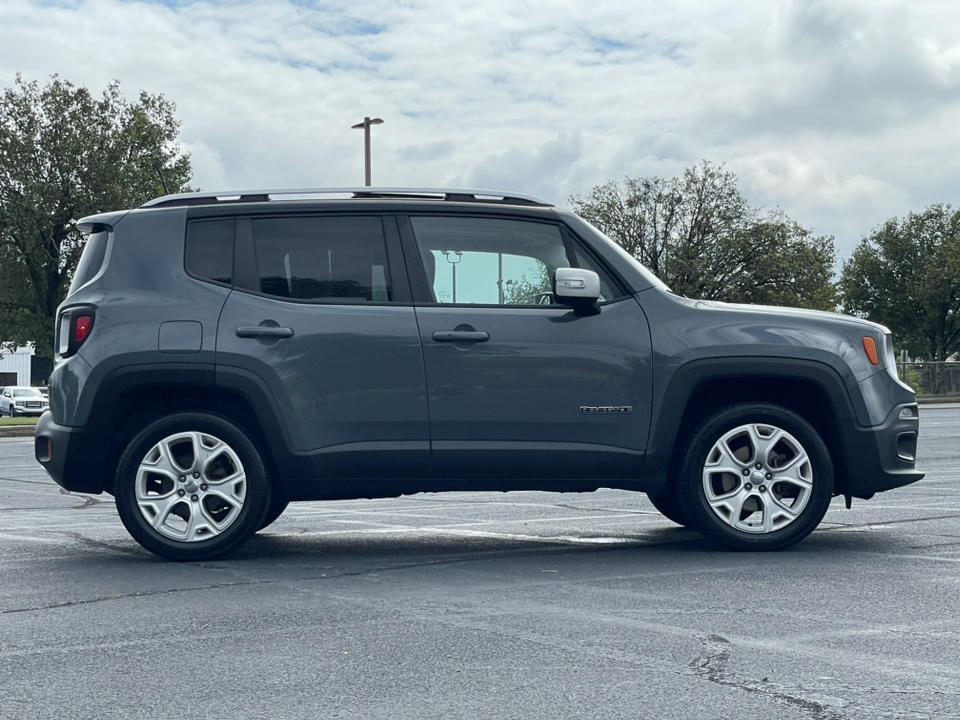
884	523
99	544
464	501
712	663
124	596
45	483
88	500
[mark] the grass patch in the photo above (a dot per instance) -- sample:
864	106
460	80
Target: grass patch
4	421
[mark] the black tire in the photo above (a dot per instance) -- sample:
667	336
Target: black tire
277	505
191	486
669	506
780	484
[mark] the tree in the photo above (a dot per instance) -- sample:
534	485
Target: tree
906	275
65	154
700	236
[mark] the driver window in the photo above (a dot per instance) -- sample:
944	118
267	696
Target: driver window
489	261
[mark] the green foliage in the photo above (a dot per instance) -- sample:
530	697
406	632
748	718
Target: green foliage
65	154
698	234
911	376
527	291
906	275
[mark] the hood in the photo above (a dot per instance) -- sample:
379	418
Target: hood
821	315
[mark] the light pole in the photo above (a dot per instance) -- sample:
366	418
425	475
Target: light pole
367	122
459	256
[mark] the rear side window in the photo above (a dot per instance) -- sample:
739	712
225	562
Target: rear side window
332	259
91	260
210	250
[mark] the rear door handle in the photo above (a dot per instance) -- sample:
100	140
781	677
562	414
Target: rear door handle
460	336
264	331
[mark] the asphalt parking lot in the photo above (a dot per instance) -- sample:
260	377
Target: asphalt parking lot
524	605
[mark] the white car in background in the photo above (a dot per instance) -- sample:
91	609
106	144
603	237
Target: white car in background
16	401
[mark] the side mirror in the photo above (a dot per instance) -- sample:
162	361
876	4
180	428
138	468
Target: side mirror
576	287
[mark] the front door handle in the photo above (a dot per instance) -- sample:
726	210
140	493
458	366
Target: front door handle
264	331
460	336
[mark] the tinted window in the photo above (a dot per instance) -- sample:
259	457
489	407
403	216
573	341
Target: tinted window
336	259
91	260
210	250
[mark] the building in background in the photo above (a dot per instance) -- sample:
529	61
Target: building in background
15	366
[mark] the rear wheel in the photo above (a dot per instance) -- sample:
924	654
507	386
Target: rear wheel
191	486
756	476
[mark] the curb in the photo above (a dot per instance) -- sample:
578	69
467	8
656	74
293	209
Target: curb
938	399
17	431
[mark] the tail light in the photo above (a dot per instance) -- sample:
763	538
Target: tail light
81	327
74	328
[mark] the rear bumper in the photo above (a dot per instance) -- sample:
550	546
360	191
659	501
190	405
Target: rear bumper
69	455
882	457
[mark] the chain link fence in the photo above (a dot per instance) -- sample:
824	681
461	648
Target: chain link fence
931	378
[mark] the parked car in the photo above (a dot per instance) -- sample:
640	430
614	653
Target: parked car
17	400
222	354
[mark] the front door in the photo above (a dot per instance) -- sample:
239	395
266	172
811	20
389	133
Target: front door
518	386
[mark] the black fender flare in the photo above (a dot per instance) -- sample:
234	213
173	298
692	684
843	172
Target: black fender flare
671	405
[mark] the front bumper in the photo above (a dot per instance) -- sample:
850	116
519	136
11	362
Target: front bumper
70	455
882	457
21	411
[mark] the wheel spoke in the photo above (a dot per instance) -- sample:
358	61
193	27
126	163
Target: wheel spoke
162	462
793	474
206	447
200	525
158	508
793	512
726	460
768	515
763	444
230	494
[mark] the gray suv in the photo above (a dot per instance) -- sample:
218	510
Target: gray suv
219	356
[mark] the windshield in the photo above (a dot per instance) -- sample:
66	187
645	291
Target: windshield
26	393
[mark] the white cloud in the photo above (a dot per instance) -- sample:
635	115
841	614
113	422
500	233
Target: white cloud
843	114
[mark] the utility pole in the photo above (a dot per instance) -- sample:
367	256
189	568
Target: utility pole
367	122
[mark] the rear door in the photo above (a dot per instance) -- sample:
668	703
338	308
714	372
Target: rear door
519	386
321	319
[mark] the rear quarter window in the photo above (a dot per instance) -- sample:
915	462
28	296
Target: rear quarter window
209	253
91	260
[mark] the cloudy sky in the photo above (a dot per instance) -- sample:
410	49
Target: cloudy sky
843	113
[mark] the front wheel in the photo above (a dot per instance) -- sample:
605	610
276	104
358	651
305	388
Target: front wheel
756	476
191	486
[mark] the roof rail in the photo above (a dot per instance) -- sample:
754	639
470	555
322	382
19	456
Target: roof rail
259	196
